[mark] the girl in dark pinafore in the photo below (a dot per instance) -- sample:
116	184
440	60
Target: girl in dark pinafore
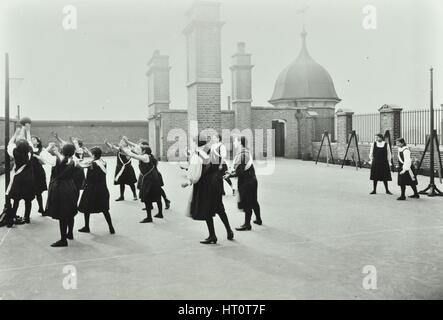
406	171
37	162
21	185
247	183
63	193
95	196
124	171
149	182
381	160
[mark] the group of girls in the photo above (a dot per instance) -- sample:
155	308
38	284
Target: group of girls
380	157
71	190
68	162
206	172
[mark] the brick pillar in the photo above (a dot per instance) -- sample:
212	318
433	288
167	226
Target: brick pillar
344	125
204	79
158	83
307	136
390	119
158	98
344	129
241	87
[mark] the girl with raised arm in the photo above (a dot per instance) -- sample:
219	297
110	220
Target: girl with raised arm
21	185
149	180
95	197
37	162
79	174
136	148
124	171
63	193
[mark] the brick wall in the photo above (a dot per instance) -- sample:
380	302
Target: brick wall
91	132
262	119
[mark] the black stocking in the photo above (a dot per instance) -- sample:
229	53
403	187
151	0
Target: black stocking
163	193
414	188
211	229
40	202
70	225
160	207
386	185
374	183
148	210
28	207
122	190
133	190
87	216
403	191
256	209
108	219
224	219
63	224
248	215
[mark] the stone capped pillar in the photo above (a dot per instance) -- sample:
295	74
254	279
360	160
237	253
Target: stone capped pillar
344	125
241	87
158	83
203	44
390	119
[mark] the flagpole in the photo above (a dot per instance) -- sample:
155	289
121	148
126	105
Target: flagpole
7	133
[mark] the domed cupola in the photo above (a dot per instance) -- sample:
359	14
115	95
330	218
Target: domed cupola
302	81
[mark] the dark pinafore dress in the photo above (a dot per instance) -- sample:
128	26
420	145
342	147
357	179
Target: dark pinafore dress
405	179
22	183
247	185
127	176
40	184
95	196
149	183
62	192
380	170
201	203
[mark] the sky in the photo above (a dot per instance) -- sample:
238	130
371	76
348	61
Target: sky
98	71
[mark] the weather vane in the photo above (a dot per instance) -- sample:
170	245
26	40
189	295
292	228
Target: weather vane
303	11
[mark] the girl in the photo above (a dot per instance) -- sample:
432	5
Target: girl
219	154
247	183
63	193
95	197
21	185
201	204
380	159
406	170
149	181
37	162
208	195
124	172
79	174
136	148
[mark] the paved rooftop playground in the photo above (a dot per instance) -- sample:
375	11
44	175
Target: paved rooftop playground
323	236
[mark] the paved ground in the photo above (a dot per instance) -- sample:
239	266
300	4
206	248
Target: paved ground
321	228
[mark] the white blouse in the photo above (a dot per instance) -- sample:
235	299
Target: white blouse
407	162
